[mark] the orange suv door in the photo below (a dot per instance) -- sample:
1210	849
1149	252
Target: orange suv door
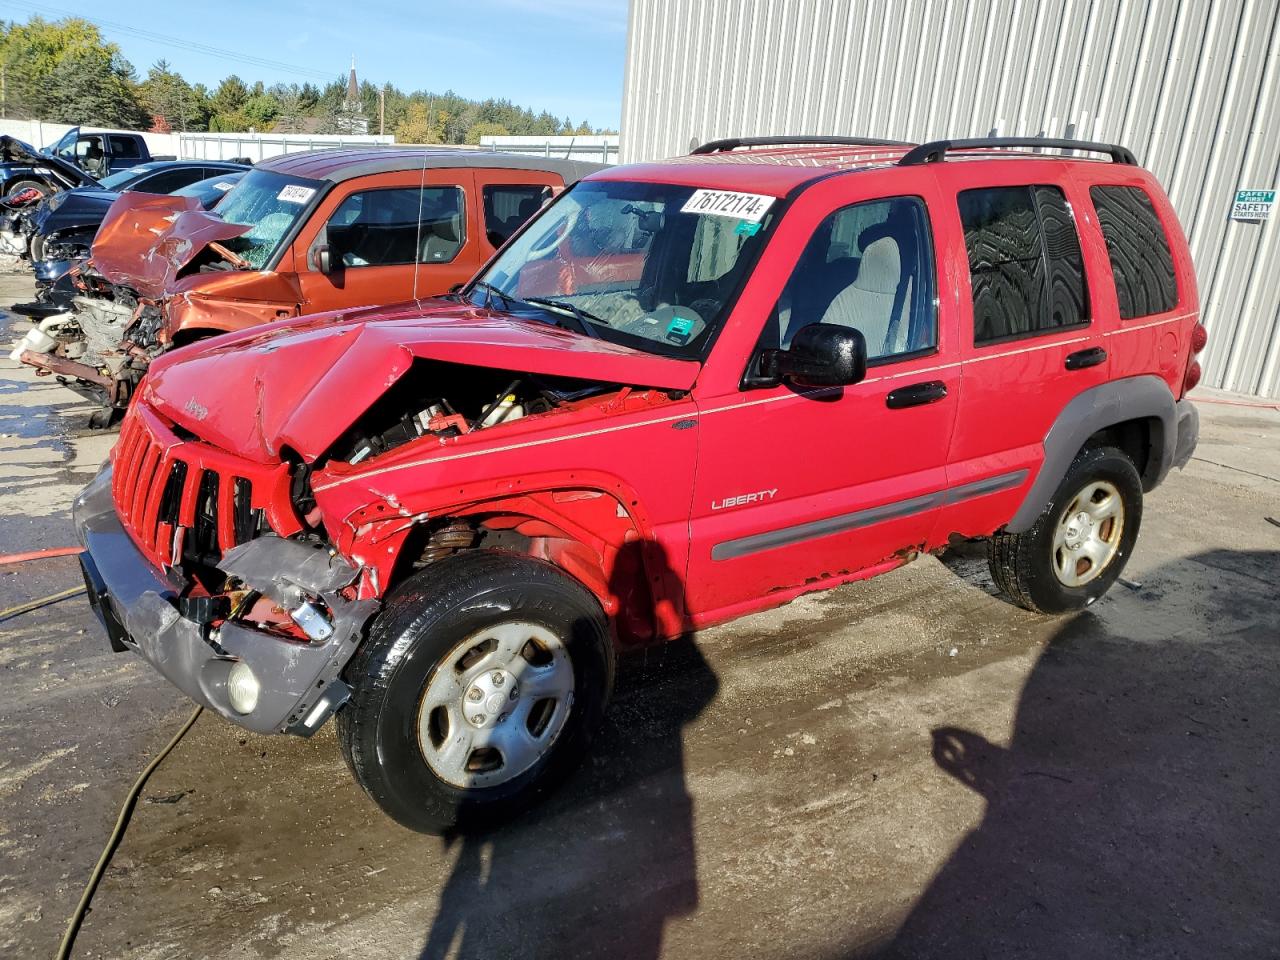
391	238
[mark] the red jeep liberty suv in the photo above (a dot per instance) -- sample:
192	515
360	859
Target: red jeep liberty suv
684	392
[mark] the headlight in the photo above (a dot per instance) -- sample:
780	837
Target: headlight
242	688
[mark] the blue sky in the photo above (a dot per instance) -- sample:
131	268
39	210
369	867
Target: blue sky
565	56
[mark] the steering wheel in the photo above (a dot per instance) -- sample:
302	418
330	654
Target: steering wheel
548	244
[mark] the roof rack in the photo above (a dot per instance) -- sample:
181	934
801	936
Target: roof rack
733	143
936	150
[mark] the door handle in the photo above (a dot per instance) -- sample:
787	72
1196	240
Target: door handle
1086	358
931	391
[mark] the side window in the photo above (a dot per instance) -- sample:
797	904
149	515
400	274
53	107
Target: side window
868	266
508	206
125	148
1025	266
1139	250
397	226
169	180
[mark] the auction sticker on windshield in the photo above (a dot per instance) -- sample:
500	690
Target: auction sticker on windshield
295	194
727	203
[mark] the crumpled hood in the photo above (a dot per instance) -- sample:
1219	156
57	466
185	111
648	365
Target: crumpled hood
146	239
301	383
13	150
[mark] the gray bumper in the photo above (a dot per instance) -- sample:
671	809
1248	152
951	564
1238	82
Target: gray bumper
137	603
1188	433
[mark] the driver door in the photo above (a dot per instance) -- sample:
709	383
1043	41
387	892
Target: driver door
800	488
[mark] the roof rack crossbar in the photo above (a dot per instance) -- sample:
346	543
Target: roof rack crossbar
733	143
937	149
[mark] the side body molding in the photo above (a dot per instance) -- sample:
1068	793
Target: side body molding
1135	398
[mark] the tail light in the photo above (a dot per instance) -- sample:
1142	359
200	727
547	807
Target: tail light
1193	376
1199	337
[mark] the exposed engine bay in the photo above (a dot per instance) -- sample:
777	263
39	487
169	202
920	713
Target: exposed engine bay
446	400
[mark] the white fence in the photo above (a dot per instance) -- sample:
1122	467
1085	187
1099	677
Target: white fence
200	146
260	146
602	149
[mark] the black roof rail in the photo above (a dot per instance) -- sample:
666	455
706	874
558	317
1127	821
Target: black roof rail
937	149
733	143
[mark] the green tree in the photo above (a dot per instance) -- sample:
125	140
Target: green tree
230	95
172	102
64	70
485	128
260	110
421	124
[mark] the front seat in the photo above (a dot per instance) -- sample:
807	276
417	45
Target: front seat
877	302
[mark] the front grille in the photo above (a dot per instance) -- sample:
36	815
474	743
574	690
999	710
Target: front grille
184	502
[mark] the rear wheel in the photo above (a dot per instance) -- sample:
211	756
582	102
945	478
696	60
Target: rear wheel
480	685
1079	545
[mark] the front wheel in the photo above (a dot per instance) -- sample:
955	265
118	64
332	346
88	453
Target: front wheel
1079	545
480	685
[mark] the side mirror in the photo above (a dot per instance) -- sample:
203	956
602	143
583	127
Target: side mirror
322	258
820	355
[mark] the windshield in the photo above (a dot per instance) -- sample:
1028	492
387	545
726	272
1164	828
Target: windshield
270	203
648	265
118	181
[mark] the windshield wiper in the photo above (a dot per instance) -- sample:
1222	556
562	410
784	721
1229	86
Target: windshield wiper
585	319
489	291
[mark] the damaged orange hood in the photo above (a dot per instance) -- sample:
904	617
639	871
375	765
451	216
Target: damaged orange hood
299	384
146	239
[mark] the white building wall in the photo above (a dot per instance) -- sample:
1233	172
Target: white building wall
1191	86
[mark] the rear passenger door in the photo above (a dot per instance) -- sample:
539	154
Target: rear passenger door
1031	339
506	201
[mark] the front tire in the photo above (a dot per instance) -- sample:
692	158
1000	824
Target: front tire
1078	546
479	687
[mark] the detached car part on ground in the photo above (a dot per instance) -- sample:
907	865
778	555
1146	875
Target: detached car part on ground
686	391
61	229
302	233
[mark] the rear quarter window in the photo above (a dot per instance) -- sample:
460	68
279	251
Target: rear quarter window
1025	266
1141	261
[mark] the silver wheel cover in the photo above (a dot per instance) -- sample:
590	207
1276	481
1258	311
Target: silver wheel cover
495	704
1087	536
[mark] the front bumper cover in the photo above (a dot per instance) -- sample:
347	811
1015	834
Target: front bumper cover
137	604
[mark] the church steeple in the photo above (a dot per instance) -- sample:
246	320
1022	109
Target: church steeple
353	88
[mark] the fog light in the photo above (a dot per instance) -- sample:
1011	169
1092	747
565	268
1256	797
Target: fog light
242	688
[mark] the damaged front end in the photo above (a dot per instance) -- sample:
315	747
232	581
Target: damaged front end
265	648
156	270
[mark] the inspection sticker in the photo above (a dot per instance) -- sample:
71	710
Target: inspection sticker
727	203
1253	204
223	186
295	194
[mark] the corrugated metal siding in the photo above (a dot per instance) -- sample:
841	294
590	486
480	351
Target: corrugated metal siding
1192	86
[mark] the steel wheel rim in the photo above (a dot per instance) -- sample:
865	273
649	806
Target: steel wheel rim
495	704
1087	536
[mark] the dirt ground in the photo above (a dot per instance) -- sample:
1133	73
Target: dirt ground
907	767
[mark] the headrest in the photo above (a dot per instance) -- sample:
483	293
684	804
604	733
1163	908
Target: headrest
881	269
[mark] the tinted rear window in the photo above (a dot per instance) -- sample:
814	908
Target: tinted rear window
1025	266
1139	249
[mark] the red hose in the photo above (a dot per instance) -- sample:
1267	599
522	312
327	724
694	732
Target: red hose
39	555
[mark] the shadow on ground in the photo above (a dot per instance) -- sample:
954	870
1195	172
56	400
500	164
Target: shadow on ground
1131	814
537	889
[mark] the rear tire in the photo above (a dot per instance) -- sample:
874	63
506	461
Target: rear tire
479	687
1078	546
